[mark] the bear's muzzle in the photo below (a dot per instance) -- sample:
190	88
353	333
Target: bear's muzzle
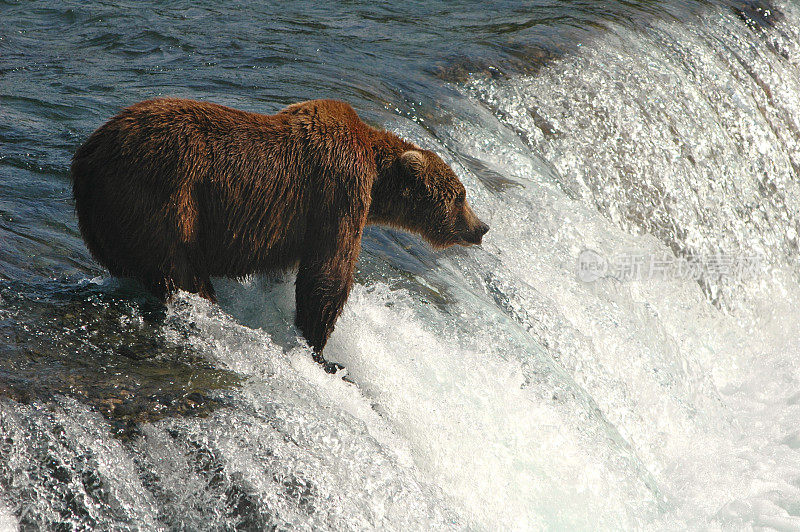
475	236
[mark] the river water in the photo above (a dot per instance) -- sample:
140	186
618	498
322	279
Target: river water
500	387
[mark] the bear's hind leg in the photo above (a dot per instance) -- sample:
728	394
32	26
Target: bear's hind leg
206	290
165	288
159	286
186	277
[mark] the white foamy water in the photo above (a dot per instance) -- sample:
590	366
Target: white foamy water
497	390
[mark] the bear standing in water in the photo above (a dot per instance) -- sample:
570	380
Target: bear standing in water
172	192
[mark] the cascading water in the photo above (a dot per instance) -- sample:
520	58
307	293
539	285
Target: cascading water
487	388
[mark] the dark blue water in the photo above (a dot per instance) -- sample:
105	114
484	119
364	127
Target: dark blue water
489	388
67	67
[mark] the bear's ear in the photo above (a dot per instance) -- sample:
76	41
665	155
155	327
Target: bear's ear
413	161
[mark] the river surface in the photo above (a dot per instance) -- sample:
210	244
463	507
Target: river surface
622	352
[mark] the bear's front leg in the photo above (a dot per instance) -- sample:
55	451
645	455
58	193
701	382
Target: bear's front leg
331	246
322	286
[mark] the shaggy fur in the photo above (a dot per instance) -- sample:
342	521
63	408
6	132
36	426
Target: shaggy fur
172	192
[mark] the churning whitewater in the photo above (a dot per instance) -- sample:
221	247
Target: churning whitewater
487	388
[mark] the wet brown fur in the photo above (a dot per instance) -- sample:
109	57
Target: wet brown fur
172	192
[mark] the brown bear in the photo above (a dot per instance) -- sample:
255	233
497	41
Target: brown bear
172	192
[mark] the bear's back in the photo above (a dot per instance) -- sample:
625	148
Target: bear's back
234	185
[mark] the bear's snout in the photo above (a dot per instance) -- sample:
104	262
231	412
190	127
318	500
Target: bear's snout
475	236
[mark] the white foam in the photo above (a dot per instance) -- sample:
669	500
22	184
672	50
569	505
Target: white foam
528	399
522	398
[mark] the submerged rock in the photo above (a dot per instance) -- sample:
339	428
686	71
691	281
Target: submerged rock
105	352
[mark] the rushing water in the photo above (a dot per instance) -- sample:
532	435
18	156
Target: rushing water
487	388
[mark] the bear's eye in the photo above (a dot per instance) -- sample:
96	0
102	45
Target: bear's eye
461	198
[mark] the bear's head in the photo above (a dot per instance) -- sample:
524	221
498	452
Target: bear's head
421	193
